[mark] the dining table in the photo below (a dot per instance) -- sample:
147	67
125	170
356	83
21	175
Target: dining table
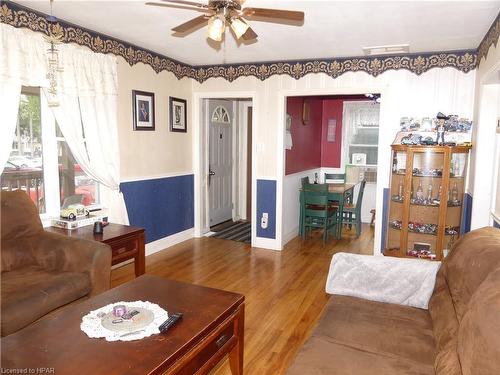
336	192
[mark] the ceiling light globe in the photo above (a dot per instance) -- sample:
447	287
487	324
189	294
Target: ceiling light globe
216	28
239	27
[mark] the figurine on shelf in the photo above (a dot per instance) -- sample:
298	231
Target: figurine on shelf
441	127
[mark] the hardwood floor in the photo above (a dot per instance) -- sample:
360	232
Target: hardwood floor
284	291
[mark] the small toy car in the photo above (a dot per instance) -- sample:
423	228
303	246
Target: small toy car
74	211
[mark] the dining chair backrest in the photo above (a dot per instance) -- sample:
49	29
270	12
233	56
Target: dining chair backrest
304	181
335	176
360	194
316	187
318	198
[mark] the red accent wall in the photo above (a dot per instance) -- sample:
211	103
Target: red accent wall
331	151
306	152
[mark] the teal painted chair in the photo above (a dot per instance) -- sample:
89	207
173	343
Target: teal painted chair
351	214
335	176
304	181
318	212
340	178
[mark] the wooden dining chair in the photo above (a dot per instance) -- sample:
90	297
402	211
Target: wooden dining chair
318	212
351	214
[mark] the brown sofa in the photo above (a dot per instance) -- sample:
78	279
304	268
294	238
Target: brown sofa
42	271
458	335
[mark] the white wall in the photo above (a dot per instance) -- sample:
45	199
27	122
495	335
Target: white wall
159	153
403	94
484	157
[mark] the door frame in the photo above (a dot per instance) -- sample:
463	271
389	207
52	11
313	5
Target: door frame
200	156
383	168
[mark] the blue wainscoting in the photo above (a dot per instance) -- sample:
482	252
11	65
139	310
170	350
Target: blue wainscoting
162	206
385	217
496	224
466	214
266	202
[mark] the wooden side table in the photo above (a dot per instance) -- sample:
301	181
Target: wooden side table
126	242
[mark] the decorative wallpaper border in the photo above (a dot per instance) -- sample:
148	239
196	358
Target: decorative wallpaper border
491	38
22	17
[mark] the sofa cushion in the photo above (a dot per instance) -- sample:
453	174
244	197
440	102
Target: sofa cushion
479	333
31	292
472	259
388	338
323	357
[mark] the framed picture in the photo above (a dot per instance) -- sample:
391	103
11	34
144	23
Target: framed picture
178	109
143	104
306	109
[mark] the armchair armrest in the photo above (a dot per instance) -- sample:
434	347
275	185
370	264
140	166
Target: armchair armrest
62	253
408	282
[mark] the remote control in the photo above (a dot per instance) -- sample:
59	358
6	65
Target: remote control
129	314
172	319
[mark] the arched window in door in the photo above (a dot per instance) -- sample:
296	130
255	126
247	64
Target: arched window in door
220	115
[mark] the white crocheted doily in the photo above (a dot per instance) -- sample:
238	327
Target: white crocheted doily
92	326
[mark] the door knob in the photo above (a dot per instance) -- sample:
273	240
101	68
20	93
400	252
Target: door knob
211	173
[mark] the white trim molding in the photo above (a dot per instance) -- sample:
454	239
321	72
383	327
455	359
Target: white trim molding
166	242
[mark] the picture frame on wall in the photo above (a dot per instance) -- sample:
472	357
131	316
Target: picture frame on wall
178	115
143	108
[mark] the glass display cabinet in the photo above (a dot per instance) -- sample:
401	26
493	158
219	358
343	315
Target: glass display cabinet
426	198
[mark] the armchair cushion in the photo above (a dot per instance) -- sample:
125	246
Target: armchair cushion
57	252
17	204
31	292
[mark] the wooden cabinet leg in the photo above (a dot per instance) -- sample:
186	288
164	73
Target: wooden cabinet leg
139	260
236	355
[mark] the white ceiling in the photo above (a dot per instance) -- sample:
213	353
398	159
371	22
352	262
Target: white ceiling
331	28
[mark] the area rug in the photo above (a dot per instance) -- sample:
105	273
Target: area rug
240	231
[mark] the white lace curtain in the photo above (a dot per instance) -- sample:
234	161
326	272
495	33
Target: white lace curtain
87	93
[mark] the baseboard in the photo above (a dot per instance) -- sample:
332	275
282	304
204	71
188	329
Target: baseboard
174	239
290	235
267	243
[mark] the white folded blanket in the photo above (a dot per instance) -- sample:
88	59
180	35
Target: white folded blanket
408	282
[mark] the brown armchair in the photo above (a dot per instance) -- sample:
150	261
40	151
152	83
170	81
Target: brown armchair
42	271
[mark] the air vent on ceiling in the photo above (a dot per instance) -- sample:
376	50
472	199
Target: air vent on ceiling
386	50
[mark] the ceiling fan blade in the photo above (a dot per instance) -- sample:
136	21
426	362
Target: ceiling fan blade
249	34
188	3
176	6
290	15
191	24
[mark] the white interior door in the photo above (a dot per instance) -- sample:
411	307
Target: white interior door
220	161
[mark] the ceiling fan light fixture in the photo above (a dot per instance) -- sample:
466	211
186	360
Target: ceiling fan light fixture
239	27
216	26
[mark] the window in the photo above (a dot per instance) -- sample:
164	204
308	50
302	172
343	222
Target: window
41	163
220	115
361	126
361	129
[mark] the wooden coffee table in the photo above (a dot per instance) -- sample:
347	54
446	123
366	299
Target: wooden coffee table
212	326
126	242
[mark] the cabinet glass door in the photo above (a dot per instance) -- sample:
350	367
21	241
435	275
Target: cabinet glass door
456	191
397	200
425	199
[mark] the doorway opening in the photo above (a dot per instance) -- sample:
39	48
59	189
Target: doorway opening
335	135
227	128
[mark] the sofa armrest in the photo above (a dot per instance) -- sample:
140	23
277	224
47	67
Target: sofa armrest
408	282
58	252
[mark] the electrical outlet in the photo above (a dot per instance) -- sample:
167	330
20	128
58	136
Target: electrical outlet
264	220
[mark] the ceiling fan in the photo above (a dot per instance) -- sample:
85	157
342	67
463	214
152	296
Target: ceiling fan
221	13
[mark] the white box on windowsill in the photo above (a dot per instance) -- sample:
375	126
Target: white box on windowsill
78	223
